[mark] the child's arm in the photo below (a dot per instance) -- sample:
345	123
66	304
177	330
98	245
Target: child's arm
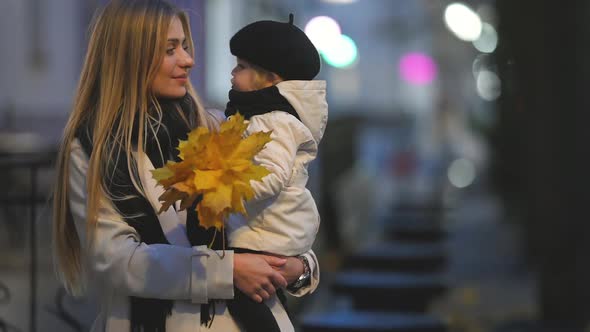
278	156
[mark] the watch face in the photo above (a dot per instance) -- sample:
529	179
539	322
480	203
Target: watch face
304	280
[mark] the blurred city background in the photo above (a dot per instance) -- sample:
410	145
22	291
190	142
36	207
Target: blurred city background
453	178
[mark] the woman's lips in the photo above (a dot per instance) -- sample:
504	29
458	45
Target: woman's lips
181	79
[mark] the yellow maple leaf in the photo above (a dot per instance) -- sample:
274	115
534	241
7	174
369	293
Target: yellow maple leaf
217	165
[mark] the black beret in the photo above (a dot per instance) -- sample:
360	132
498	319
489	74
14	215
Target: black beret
278	47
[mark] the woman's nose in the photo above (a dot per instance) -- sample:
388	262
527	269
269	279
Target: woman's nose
187	60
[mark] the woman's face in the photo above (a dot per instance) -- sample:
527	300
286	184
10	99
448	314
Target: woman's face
245	77
172	76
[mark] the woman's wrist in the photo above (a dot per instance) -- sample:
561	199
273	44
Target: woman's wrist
304	278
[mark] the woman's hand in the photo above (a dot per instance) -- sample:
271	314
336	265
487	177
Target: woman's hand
256	275
291	270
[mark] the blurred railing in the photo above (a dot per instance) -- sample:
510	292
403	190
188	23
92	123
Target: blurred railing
21	152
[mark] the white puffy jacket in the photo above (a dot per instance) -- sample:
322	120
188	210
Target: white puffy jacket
283	217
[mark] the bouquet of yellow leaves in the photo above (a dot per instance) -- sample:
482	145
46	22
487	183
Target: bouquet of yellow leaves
216	165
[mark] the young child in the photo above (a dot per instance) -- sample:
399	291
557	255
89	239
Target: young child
273	88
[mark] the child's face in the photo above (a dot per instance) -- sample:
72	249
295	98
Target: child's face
247	78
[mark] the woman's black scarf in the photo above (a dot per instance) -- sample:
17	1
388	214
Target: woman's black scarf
149	315
258	102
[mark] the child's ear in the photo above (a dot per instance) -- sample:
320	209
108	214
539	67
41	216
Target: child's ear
274	78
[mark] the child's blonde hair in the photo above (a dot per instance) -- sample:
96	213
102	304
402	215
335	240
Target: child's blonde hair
262	76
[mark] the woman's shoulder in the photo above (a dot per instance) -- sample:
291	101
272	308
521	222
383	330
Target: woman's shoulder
78	157
76	148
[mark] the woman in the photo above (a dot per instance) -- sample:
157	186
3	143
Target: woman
154	272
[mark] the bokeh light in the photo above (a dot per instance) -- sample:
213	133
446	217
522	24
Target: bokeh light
488	39
463	21
417	68
341	52
488	85
482	62
461	173
322	31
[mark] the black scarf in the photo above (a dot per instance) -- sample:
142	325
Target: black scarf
149	315
258	102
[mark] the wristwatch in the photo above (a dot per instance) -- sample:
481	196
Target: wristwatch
304	279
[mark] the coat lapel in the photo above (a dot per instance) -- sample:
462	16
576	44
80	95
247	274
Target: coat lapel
173	223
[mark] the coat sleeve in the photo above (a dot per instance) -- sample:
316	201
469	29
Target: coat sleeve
314	267
278	156
117	259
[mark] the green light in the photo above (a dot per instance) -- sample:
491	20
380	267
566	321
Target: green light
342	53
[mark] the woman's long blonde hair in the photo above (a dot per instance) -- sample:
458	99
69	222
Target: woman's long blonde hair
126	47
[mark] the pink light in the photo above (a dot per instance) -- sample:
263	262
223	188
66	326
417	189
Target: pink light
417	68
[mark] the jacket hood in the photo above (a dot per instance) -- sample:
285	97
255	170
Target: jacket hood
308	98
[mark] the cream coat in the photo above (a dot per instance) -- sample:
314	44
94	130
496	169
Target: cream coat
283	217
119	265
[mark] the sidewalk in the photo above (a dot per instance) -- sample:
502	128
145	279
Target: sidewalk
490	284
